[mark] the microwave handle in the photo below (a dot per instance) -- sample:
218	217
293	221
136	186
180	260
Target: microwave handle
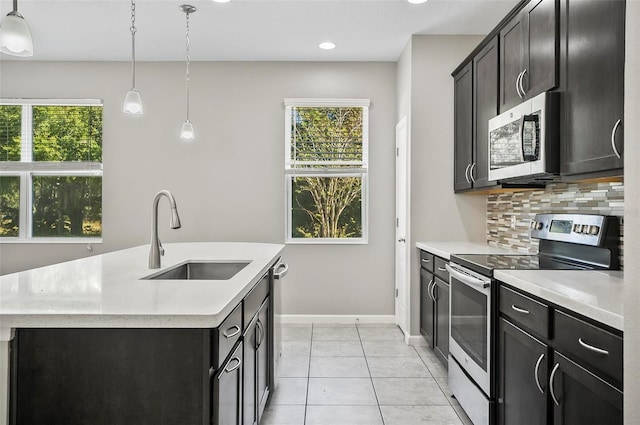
522	120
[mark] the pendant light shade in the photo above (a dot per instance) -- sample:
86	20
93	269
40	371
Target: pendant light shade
15	36
187	132
133	100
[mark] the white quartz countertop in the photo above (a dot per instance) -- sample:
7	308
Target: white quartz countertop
446	249
107	290
594	294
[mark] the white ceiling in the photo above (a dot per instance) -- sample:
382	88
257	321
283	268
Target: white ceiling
246	30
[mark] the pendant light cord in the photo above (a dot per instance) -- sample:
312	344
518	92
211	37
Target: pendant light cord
133	42
188	76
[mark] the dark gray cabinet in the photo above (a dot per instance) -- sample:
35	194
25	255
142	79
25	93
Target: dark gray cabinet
592	71
227	391
463	128
485	107
434	304
522	370
441	295
529	47
581	398
427	307
570	373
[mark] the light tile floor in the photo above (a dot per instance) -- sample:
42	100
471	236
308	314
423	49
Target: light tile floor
359	375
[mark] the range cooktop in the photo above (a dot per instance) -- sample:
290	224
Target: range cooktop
485	264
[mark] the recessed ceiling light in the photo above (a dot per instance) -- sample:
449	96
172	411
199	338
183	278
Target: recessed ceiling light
327	45
417	1
222	1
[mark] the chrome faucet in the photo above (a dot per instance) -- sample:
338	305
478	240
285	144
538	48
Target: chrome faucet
156	246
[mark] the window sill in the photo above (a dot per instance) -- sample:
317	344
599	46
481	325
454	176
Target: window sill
51	240
327	241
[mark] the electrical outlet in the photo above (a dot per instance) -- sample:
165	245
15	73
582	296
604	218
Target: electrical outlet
513	222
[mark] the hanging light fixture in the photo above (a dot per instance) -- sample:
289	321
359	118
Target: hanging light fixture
187	134
132	100
15	37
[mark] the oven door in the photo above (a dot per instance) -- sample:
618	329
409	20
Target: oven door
470	325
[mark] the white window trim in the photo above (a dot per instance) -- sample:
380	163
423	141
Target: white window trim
27	168
340	169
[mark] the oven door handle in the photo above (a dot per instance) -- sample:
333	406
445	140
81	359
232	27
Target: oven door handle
467	279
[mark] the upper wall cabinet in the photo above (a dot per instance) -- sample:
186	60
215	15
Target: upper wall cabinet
592	73
529	53
463	130
476	101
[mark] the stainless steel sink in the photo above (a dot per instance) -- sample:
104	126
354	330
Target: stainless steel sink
201	270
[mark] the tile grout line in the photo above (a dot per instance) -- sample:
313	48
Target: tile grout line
370	377
439	386
306	400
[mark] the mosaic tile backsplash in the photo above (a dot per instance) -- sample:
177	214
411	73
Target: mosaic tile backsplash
586	198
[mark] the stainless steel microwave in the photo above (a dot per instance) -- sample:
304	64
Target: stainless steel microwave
524	141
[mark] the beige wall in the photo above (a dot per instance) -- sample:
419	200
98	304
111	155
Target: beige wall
632	217
229	184
436	213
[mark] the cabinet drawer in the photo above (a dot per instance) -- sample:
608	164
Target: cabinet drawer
440	270
254	299
594	348
226	336
426	260
526	311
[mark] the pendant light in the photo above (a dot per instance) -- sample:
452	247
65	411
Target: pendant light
187	133
15	37
132	100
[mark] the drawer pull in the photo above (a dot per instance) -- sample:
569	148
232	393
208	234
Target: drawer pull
426	260
237	365
536	371
442	269
519	310
229	333
592	348
551	379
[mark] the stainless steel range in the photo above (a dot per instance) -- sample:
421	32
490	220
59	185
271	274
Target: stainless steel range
567	241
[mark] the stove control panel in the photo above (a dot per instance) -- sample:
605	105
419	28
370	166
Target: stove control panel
586	229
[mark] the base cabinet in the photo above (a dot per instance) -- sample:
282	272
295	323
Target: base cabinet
570	376
434	304
227	391
256	368
522	368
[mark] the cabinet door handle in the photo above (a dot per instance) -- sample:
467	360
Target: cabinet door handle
518	85
613	139
237	365
536	372
229	333
519	310
551	379
473	166
524	93
442	269
592	348
433	291
466	173
260	333
429	287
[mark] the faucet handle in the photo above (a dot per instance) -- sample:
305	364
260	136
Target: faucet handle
161	248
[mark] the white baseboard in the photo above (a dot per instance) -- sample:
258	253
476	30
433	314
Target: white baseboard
415	340
335	318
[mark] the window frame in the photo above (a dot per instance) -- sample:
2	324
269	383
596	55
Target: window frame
26	169
358	169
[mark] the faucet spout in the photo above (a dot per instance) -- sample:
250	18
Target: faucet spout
156	246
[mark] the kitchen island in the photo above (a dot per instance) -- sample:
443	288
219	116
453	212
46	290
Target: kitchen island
120	334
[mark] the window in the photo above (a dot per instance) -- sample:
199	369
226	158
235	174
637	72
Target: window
50	170
326	170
